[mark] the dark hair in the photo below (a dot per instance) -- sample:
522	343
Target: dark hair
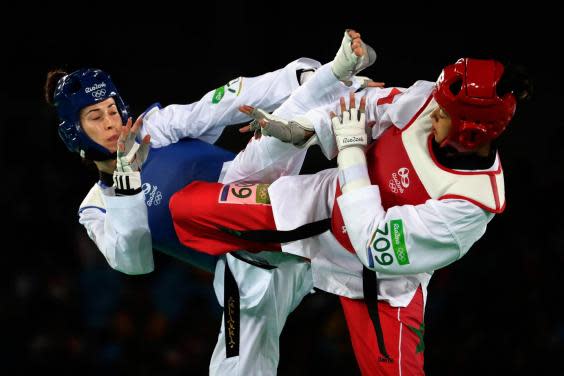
53	78
515	80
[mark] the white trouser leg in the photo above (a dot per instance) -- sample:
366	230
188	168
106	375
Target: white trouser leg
261	325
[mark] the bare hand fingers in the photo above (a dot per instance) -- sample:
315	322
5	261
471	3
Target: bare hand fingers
353	33
362	106
246	109
146	140
343	104
137	125
376	84
358	51
335	120
124	131
245	129
352	100
128	126
127	130
121	140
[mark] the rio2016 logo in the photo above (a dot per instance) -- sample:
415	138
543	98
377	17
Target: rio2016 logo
233	86
152	195
97	90
390	236
399	181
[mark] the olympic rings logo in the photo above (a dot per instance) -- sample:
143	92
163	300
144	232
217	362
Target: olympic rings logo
99	93
158	198
399	181
152	194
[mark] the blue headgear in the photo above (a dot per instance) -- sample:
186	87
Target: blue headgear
75	91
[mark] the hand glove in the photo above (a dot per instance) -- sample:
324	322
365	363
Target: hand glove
133	154
130	157
127	178
286	131
350	129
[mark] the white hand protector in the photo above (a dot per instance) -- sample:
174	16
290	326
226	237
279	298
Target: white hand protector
286	131
127	183
127	178
130	157
346	64
133	155
350	129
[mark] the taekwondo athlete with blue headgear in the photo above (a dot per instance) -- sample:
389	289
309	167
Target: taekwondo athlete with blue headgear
126	212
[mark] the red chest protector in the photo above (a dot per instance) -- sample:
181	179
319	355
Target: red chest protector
391	168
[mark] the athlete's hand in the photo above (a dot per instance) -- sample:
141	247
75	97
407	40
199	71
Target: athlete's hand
130	154
130	157
367	82
350	126
271	125
255	125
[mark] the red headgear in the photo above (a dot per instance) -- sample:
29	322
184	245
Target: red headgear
466	90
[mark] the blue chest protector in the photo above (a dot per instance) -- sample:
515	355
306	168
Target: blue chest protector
168	170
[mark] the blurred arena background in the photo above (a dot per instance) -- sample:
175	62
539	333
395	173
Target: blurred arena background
496	311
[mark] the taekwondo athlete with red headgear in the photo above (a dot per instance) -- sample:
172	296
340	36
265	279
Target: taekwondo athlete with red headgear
412	202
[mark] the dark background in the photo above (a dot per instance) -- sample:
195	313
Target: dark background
62	308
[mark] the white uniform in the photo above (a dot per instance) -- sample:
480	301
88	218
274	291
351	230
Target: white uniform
129	249
276	292
119	225
437	232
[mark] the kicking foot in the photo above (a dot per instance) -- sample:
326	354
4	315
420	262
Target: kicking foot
353	56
